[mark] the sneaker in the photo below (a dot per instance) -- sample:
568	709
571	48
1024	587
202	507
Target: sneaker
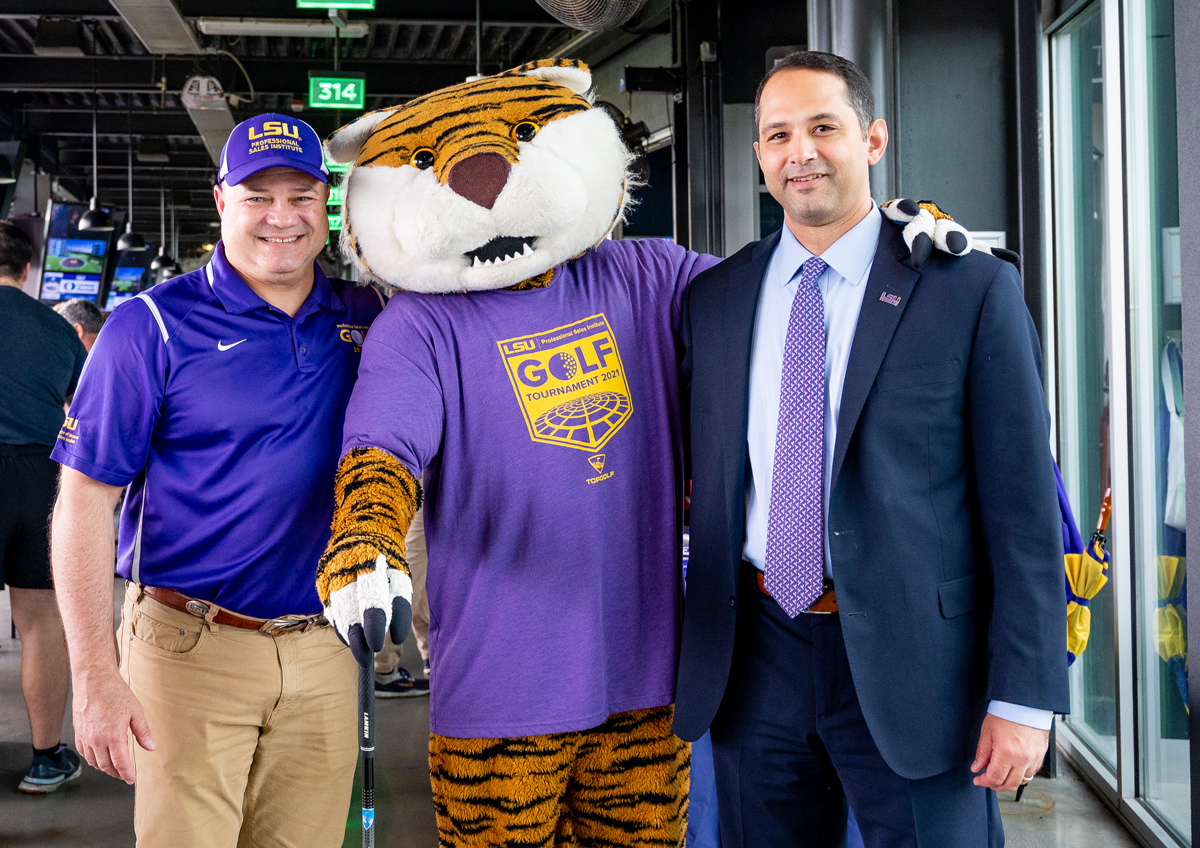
400	684
47	774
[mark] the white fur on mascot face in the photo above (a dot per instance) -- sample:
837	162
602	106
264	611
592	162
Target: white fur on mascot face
565	188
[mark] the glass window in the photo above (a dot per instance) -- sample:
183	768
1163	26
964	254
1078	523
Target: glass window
1158	407
1084	343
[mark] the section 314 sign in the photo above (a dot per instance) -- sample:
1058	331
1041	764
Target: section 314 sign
340	90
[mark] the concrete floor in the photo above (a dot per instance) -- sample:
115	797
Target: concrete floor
97	810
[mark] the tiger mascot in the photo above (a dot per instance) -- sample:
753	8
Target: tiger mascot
534	409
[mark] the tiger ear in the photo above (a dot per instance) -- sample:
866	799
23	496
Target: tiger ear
569	73
345	142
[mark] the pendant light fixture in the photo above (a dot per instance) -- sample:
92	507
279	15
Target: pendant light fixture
129	239
163	260
95	220
175	269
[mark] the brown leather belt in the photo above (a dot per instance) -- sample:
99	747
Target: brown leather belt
826	603
192	606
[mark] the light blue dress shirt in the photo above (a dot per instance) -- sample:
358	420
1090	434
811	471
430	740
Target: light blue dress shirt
843	285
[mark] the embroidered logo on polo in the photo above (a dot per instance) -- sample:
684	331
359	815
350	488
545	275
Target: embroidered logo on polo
571	385
223	346
353	334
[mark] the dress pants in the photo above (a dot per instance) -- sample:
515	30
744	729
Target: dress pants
791	747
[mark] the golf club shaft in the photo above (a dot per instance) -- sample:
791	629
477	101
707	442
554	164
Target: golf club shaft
366	744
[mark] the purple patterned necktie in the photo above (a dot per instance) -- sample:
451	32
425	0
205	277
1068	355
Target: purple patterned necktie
795	566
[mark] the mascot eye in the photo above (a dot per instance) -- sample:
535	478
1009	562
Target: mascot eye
525	131
422	159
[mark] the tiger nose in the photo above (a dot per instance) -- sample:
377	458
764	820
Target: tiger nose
480	178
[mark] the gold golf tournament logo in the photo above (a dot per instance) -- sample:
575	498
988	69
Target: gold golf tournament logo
570	383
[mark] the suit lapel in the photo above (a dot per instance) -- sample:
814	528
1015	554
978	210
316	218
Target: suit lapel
740	308
888	289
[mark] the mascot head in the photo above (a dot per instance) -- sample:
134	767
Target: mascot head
482	185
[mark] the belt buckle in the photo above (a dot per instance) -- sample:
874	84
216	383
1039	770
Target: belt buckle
196	608
276	626
826	588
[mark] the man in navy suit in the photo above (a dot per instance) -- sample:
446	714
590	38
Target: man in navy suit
874	609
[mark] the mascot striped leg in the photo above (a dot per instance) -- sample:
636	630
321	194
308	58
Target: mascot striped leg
623	784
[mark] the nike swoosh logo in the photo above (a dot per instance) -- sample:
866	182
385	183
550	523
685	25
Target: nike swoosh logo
223	346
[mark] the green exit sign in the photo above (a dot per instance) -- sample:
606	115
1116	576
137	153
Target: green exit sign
335	196
343	91
355	5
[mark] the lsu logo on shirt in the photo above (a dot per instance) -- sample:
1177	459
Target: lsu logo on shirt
570	383
67	432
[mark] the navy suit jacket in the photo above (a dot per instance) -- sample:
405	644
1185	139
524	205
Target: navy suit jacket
944	528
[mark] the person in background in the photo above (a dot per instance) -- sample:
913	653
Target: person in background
218	398
85	317
40	362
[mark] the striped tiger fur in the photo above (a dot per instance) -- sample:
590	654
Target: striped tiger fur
473	117
623	784
375	498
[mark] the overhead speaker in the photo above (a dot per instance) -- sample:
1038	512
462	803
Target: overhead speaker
592	15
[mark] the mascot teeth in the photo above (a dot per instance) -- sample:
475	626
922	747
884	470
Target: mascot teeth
499	251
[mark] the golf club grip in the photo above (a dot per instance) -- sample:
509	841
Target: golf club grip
366	744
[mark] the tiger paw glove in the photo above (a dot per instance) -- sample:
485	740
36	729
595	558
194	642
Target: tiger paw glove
363	578
927	227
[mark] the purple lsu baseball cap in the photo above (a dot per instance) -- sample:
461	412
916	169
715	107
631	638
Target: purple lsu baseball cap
271	140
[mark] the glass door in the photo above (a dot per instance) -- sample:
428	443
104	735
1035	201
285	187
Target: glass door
1157	362
1083	334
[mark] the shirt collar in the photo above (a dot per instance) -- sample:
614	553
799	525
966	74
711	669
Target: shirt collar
850	256
239	298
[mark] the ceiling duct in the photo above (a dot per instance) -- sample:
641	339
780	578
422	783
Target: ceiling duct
159	26
58	38
204	100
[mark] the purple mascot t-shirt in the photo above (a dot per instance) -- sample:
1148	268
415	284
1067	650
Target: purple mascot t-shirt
546	423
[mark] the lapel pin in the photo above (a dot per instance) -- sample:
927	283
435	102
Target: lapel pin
890	299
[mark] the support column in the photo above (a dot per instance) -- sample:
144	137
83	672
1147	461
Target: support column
699	41
864	31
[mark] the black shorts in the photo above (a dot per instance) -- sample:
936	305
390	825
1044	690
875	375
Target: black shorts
28	479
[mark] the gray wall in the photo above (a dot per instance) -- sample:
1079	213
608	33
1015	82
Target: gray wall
953	126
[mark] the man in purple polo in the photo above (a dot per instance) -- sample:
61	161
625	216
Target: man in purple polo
218	399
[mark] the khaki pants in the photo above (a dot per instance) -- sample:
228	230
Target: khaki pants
256	736
388	659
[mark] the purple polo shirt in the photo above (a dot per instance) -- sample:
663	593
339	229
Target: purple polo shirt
224	417
547	425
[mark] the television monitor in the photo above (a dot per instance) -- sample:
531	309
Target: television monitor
73	262
131	275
